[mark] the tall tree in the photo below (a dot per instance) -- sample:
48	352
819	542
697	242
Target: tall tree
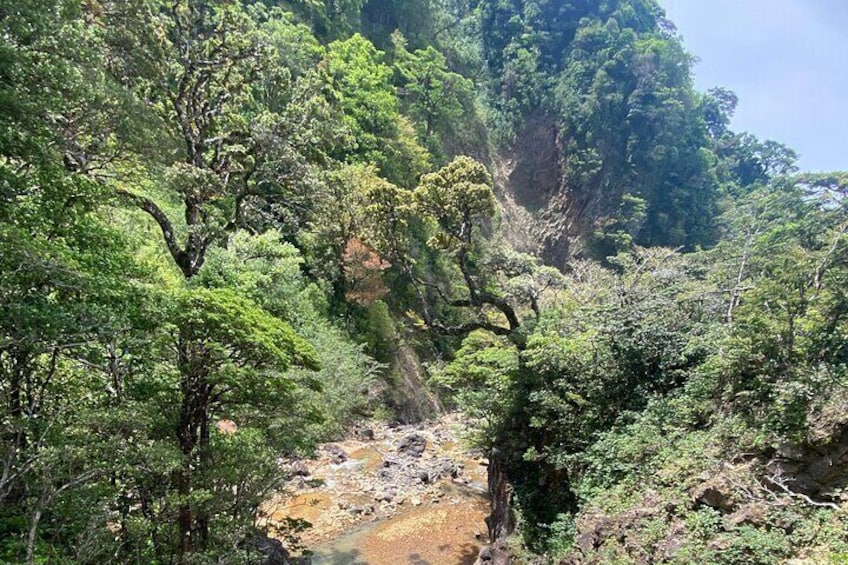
211	73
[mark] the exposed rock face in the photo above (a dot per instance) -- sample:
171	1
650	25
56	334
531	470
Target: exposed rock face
501	522
547	210
410	398
595	529
543	214
817	468
527	180
535	175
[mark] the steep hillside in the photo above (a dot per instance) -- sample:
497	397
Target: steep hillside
230	230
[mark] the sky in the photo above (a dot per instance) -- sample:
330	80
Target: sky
786	60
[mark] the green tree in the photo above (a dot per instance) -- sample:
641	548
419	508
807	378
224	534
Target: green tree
627	105
72	315
201	68
434	97
459	198
372	110
782	266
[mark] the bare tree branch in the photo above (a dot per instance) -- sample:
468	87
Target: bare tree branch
779	481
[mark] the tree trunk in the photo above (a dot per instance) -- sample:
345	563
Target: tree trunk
193	435
33	531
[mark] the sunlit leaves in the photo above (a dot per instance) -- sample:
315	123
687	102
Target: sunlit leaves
457	196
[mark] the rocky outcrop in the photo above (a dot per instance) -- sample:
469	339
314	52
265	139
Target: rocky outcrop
337	454
717	492
597	529
410	398
269	550
753	492
816	469
501	521
543	215
410	472
527	180
494	554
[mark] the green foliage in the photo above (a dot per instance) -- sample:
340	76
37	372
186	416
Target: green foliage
372	110
237	333
350	388
328	18
779	260
345	387
384	215
214	214
480	380
647	378
380	336
436	98
642	85
615	80
413	18
457	196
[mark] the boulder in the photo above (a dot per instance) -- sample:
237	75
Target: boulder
336	453
817	467
299	469
412	445
753	513
495	554
365	434
271	550
385	496
716	493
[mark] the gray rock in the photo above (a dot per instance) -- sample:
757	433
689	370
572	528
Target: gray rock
365	434
271	550
336	453
495	554
385	496
299	469
353	465
412	445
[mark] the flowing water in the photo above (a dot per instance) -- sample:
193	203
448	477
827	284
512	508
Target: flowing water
445	533
425	523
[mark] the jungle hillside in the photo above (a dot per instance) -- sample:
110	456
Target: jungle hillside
232	231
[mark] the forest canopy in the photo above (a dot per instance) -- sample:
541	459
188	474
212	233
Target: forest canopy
250	211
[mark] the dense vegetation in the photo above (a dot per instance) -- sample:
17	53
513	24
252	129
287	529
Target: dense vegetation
224	222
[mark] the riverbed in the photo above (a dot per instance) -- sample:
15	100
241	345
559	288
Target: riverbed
388	496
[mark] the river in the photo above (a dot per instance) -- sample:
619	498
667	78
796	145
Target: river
370	503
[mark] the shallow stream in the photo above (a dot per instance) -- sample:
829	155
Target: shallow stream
443	533
440	521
